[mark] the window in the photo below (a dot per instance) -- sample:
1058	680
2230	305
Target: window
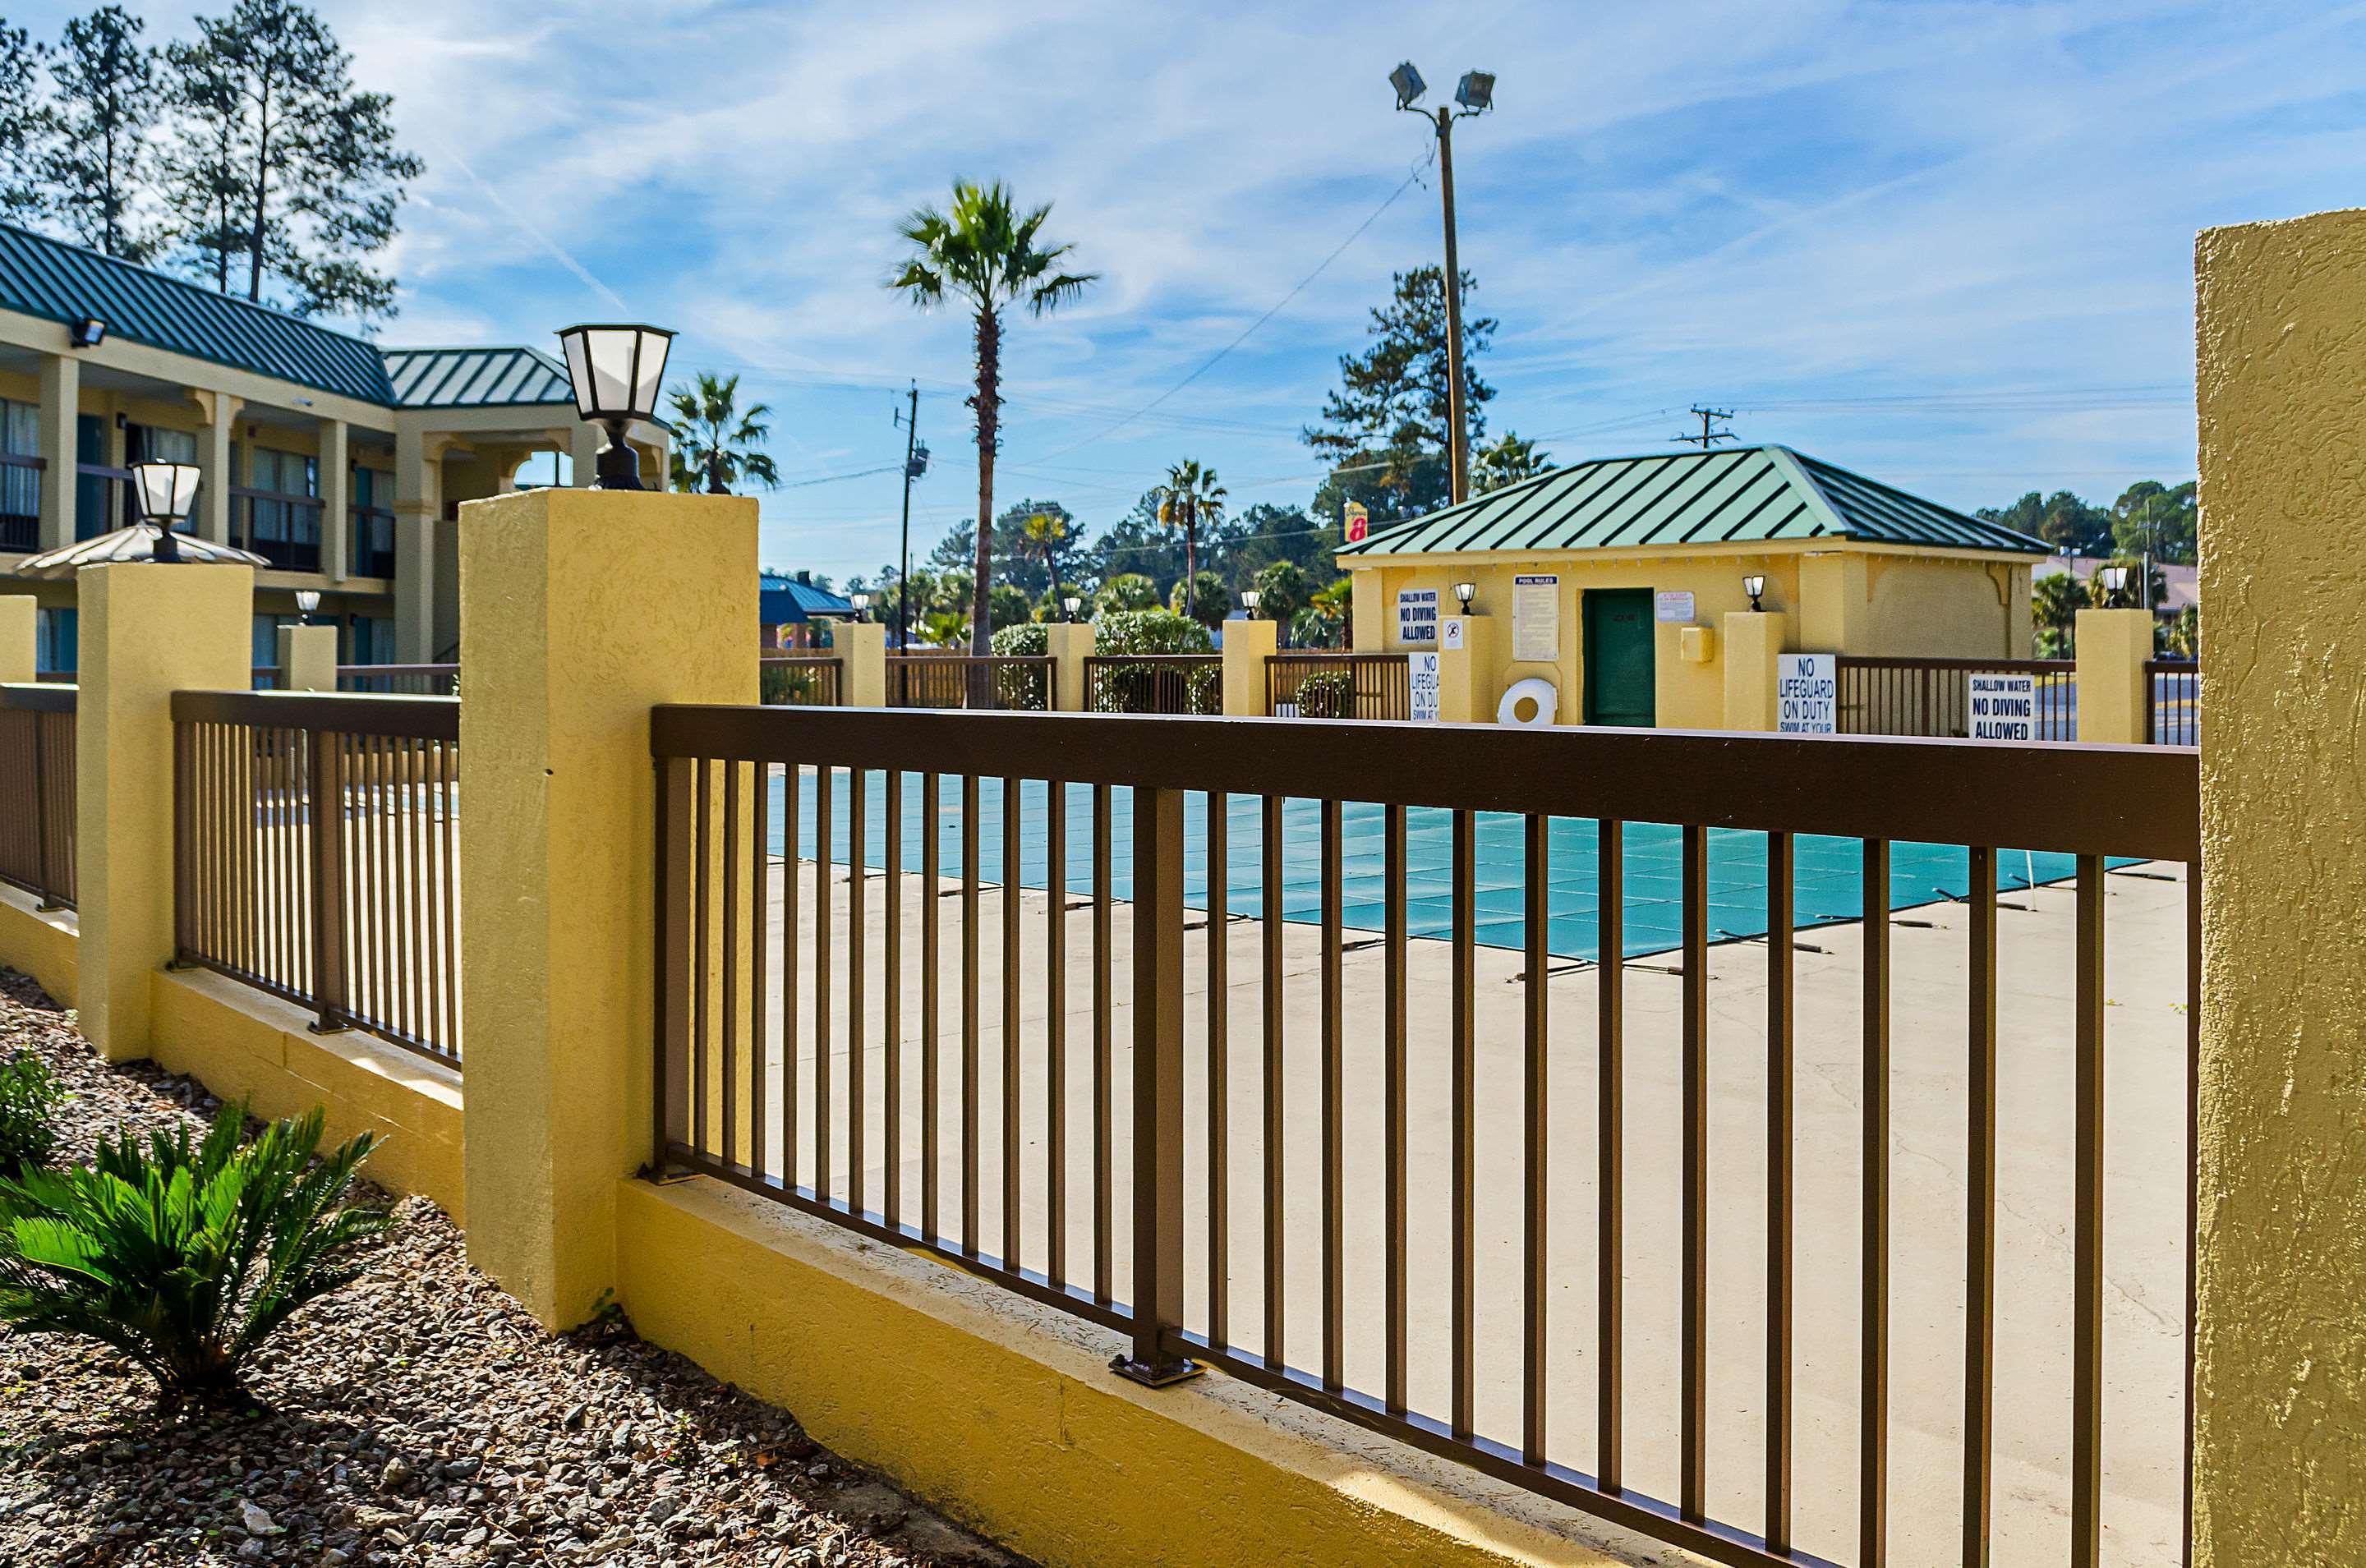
154	444
20	488
372	641
284	533
58	640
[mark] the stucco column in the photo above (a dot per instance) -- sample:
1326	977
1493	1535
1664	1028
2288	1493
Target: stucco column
418	506
20	637
336	501
1070	644
2280	1464
1368	627
1753	642
862	650
215	463
307	659
61	399
2115	698
1466	675
566	657
147	632
1835	603
1246	643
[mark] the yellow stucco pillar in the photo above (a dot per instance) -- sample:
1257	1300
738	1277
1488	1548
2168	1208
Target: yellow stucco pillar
1466	675
20	637
2280	1406
418	507
307	659
1753	641
336	500
1070	644
1246	643
1368	627
147	632
216	463
61	393
1835	603
861	649
2115	698
566	657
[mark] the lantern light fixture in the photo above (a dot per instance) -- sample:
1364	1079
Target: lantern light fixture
1250	599
1072	604
1754	585
616	372
861	603
307	601
166	491
1463	594
2115	581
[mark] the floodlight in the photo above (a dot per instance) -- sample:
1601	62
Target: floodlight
1476	92
1408	83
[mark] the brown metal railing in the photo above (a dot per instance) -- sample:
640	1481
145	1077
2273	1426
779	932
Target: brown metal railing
21	478
282	528
316	855
794	680
37	791
1376	685
870	924
2174	713
1932	697
401	679
1026	683
1154	683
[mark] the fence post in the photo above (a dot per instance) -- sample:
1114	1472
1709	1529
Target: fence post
861	649
20	620
2115	694
1754	643
146	631
1070	645
2279	1253
325	780
558	901
1247	645
307	659
1157	1356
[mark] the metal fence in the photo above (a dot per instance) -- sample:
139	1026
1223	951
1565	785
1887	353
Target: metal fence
2175	713
1442	1179
401	679
1932	697
964	681
1347	685
37	791
790	680
1154	683
316	855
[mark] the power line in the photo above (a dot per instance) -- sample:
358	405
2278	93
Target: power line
1709	435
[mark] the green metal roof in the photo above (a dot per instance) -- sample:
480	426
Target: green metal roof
1671	500
475	378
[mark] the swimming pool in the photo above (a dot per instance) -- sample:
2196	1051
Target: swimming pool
1827	882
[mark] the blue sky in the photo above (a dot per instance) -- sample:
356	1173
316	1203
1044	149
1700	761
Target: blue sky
1948	244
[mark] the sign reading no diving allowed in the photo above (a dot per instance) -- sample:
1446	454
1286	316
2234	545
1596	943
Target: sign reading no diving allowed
2004	707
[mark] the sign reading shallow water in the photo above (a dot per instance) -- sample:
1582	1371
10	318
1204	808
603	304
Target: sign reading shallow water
2004	707
1535	619
1807	695
1421	671
1417	615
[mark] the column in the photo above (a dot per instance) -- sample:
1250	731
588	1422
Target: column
215	464
1754	643
861	649
307	659
20	635
418	505
147	632
2115	694
1835	605
566	657
1368	627
1070	644
1246	643
61	399
336	501
1466	674
2280	1257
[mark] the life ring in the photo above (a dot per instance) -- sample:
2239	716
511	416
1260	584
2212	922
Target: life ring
1534	689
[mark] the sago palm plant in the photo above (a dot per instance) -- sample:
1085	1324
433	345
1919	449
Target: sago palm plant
186	1254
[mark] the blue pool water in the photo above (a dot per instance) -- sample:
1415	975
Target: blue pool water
1827	885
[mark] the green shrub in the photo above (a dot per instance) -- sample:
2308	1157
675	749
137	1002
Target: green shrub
29	1095
1149	631
1029	639
185	1255
1204	689
1126	590
1326	694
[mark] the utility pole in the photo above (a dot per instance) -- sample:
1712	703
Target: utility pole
916	463
1709	435
1476	93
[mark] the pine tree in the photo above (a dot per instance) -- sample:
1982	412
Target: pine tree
202	163
1390	413
103	113
25	125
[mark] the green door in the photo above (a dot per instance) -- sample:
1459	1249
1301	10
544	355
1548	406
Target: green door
1620	670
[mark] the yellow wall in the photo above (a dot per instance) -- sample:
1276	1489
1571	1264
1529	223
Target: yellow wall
2280	1417
39	943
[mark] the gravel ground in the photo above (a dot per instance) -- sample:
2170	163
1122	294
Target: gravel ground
417	1416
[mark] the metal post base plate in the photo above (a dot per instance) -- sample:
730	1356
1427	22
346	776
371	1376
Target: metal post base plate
1155	1376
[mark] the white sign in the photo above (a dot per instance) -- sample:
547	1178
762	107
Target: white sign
1535	619
1807	695
1421	670
1417	615
2004	707
1674	605
1452	635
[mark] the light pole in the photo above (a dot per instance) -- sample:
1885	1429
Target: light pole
916	463
1476	93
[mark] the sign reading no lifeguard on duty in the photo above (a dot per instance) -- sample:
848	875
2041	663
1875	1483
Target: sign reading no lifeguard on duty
1807	695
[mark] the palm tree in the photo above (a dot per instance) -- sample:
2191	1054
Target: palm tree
985	250
1041	536
715	440
1507	462
1189	495
2055	602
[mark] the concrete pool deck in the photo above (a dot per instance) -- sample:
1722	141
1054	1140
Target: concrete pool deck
2145	1197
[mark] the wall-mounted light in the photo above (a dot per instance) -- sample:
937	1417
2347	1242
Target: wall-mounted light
166	491
1250	599
307	601
616	373
1463	594
1754	585
88	332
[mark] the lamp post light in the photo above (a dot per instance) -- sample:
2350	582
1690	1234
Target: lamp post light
307	601
1463	594
2115	582
1071	603
616	373
165	493
1754	586
1250	599
861	606
1476	93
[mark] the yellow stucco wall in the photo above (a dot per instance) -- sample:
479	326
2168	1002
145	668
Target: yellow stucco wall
2280	1418
38	942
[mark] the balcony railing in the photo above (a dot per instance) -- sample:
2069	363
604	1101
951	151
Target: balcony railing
283	528
20	501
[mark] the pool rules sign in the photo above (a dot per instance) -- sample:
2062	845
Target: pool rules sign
1807	695
2004	707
